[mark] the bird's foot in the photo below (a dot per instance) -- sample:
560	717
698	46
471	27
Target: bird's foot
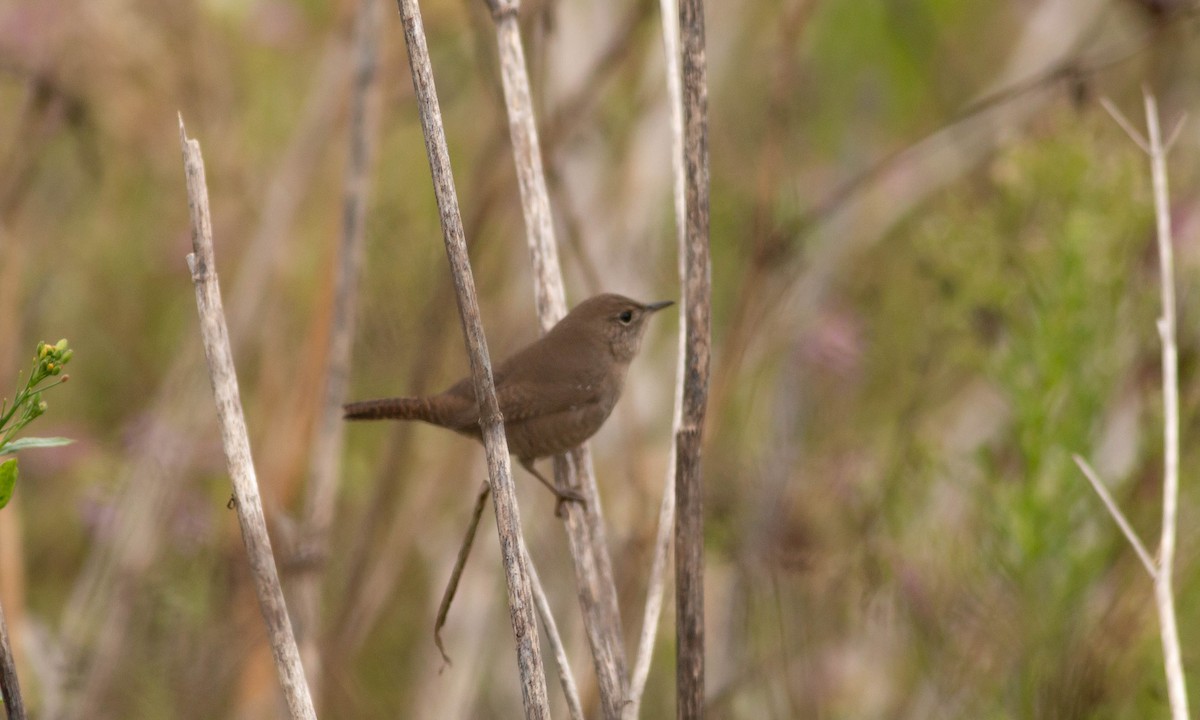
565	496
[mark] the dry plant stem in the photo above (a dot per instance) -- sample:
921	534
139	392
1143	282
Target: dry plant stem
689	487
539	595
234	439
460	562
329	430
564	119
565	677
95	622
666	512
508	521
13	705
594	584
535	200
587	537
1163	593
1130	534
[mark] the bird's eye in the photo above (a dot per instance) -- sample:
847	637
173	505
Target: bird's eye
626	317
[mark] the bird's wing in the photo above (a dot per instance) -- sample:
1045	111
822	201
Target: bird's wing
521	401
523	398
540	380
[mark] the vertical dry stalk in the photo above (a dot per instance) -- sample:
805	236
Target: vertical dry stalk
95	621
666	510
329	430
587	537
234	439
535	200
508	521
1163	593
588	544
689	487
1130	534
13	705
1162	575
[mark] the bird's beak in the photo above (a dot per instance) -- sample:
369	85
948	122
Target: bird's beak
655	307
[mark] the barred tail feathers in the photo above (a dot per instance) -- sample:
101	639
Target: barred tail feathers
435	410
400	408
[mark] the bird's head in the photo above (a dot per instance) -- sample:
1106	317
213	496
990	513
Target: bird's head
620	321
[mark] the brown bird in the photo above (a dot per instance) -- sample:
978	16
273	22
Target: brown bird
554	394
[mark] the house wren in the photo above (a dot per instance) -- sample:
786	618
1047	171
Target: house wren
554	394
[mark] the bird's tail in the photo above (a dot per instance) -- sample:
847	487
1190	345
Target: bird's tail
436	410
400	408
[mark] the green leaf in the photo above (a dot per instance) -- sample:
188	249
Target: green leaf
34	442
8	480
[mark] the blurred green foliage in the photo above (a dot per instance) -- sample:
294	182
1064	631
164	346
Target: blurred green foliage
25	407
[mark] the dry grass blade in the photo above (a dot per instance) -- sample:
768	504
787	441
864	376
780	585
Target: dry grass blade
1117	515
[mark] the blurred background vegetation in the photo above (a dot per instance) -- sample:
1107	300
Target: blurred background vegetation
934	279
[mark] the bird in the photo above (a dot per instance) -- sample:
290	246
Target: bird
553	394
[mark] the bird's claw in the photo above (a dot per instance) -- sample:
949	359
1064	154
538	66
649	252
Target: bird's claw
564	497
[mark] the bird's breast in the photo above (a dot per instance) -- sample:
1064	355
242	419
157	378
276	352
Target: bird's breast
558	432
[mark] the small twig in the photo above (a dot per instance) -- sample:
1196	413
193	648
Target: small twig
1116	114
565	676
456	574
508	520
1130	534
215	334
1174	134
11	689
1164	595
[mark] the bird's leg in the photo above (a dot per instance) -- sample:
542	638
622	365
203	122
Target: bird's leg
564	495
456	573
